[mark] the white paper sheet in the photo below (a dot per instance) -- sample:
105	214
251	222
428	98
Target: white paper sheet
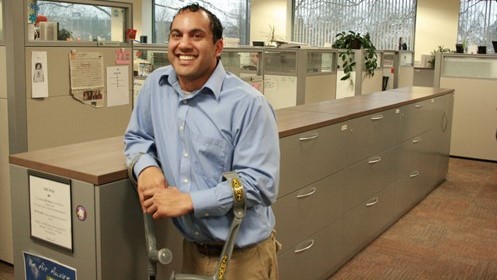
117	86
39	79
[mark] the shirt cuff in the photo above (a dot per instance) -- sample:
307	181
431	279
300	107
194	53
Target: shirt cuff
143	162
212	202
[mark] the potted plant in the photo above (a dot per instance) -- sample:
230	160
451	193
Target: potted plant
354	40
439	49
64	35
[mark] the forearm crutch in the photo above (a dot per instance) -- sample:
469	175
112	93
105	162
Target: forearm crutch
239	213
164	255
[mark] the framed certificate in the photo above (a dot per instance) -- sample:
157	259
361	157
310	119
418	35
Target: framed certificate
50	209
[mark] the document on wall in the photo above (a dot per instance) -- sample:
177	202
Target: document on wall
117	85
86	71
39	79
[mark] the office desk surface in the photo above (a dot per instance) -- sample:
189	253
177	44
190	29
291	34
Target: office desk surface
102	161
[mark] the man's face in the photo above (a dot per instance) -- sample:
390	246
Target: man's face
191	50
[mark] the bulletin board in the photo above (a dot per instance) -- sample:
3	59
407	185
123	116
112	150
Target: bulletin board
60	118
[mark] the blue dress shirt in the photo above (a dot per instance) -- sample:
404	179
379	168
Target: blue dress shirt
195	137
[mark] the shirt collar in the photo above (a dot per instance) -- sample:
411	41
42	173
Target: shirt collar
213	85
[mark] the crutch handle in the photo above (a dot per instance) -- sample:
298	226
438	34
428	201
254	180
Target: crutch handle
164	255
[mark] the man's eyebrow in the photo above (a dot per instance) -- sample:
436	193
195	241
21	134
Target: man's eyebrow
189	31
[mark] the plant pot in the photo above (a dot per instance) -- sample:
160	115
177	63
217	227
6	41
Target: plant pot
355	44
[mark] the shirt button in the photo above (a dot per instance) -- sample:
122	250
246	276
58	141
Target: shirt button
185	180
197	233
184	101
185	154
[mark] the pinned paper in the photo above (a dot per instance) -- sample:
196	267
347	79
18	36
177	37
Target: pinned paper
39	79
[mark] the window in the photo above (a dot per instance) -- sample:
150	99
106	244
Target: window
58	20
478	23
232	14
316	22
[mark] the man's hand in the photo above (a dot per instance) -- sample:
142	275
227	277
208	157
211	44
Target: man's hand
149	179
167	202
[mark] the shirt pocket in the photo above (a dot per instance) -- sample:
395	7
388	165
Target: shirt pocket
209	157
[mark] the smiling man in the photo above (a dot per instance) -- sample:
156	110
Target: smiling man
193	122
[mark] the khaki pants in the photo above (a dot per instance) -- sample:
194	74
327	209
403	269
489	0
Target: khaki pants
255	262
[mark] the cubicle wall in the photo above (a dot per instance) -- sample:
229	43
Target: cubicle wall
299	76
404	69
61	119
246	63
359	82
52	117
474	78
398	66
146	58
5	213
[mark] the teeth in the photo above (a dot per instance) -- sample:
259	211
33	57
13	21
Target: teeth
186	57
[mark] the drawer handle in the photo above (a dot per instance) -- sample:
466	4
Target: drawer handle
445	122
417	140
311	243
311	192
307	138
372	202
377	117
418	106
374	160
414	174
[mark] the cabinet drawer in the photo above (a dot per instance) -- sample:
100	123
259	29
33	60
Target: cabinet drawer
420	155
364	179
302	212
415	119
410	155
316	257
410	191
367	220
373	133
311	156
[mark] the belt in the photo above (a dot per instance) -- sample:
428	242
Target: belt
210	249
215	249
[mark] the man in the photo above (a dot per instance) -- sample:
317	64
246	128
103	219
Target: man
193	121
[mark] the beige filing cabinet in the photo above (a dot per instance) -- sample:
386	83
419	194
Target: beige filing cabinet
349	178
349	169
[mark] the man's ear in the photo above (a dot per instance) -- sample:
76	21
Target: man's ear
219	47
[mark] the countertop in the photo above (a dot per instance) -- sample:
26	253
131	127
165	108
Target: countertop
102	161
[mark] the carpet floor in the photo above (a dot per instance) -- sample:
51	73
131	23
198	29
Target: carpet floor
451	234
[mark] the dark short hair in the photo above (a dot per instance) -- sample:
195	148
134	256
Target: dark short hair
215	23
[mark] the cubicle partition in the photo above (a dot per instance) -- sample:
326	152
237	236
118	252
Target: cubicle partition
294	76
246	63
69	79
398	66
146	58
474	78
78	79
5	213
359	82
